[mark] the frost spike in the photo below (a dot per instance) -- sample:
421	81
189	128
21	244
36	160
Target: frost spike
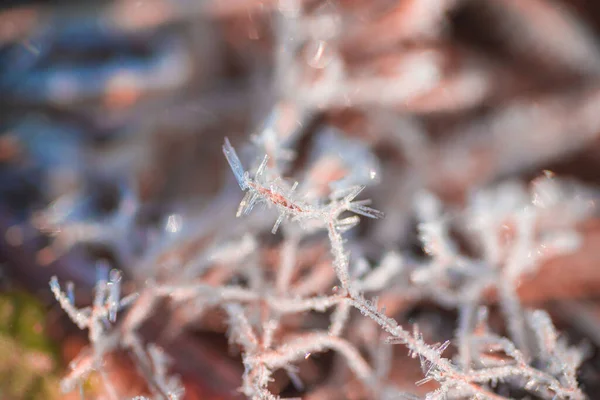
235	164
247	204
359	207
261	168
71	292
277	223
348	194
346	224
114	294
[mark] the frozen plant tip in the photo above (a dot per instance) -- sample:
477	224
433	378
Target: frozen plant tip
106	301
96	319
274	191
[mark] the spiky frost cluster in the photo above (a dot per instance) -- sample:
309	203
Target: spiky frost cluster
276	193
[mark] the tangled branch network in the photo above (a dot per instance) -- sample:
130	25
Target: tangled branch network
316	301
259	312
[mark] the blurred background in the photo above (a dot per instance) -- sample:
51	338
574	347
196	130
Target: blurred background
113	113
